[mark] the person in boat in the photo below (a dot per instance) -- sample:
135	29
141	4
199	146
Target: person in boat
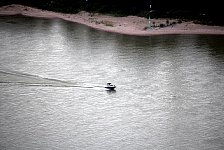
109	85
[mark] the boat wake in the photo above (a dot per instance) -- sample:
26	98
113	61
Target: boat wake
14	78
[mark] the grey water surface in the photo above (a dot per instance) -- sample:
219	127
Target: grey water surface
169	95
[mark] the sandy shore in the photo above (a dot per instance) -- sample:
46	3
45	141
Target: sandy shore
130	25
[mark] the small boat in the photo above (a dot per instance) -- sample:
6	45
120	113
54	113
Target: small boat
110	86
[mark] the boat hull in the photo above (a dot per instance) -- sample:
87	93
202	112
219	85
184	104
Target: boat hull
110	88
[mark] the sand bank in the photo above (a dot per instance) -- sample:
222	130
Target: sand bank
130	25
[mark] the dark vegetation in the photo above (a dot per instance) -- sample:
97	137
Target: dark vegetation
200	11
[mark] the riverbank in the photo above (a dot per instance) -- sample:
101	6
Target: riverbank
130	25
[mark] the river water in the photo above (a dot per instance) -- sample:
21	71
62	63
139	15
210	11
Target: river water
169	93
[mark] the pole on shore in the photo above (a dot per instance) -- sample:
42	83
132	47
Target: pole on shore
149	26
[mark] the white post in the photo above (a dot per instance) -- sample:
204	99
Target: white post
149	17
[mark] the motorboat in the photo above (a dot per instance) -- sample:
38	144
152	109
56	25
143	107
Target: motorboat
110	86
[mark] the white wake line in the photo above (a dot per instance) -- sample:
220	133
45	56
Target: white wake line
55	82
46	85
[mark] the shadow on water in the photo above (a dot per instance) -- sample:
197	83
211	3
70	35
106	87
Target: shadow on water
111	91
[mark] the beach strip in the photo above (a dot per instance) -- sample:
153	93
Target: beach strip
129	25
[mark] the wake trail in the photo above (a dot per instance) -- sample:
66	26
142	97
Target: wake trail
15	78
